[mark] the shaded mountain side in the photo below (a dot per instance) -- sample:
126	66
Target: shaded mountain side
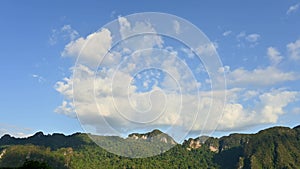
16	155
277	147
54	141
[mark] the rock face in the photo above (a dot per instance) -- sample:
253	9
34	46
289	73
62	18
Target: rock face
196	143
153	136
2	153
192	143
213	149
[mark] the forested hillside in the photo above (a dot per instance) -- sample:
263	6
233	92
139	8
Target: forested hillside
277	147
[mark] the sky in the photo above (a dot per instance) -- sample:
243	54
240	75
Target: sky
257	46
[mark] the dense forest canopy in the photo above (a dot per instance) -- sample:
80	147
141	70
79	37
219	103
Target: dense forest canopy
277	147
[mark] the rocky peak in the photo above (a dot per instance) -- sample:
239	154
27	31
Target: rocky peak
196	143
192	143
2	153
153	136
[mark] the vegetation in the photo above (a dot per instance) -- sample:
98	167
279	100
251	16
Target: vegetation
277	147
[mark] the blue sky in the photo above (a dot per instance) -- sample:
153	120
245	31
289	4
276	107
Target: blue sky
259	41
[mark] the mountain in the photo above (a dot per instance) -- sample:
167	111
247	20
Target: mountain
277	147
136	145
210	142
153	136
55	141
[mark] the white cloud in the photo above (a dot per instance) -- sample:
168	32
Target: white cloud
147	35
189	52
224	69
294	50
259	77
109	97
125	26
65	88
66	108
274	55
293	9
69	32
66	32
176	26
267	110
250	94
176	108
208	49
226	33
113	91
253	37
89	89
91	49
272	104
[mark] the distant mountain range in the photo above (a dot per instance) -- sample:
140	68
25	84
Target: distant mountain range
277	147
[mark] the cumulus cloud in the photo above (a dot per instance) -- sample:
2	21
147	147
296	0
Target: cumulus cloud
293	9
113	98
294	50
91	49
274	55
267	109
97	101
139	30
65	88
110	95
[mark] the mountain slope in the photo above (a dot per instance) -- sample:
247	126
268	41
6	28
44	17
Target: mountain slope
277	147
153	136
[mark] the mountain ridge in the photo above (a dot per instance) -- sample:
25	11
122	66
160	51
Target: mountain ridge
275	147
